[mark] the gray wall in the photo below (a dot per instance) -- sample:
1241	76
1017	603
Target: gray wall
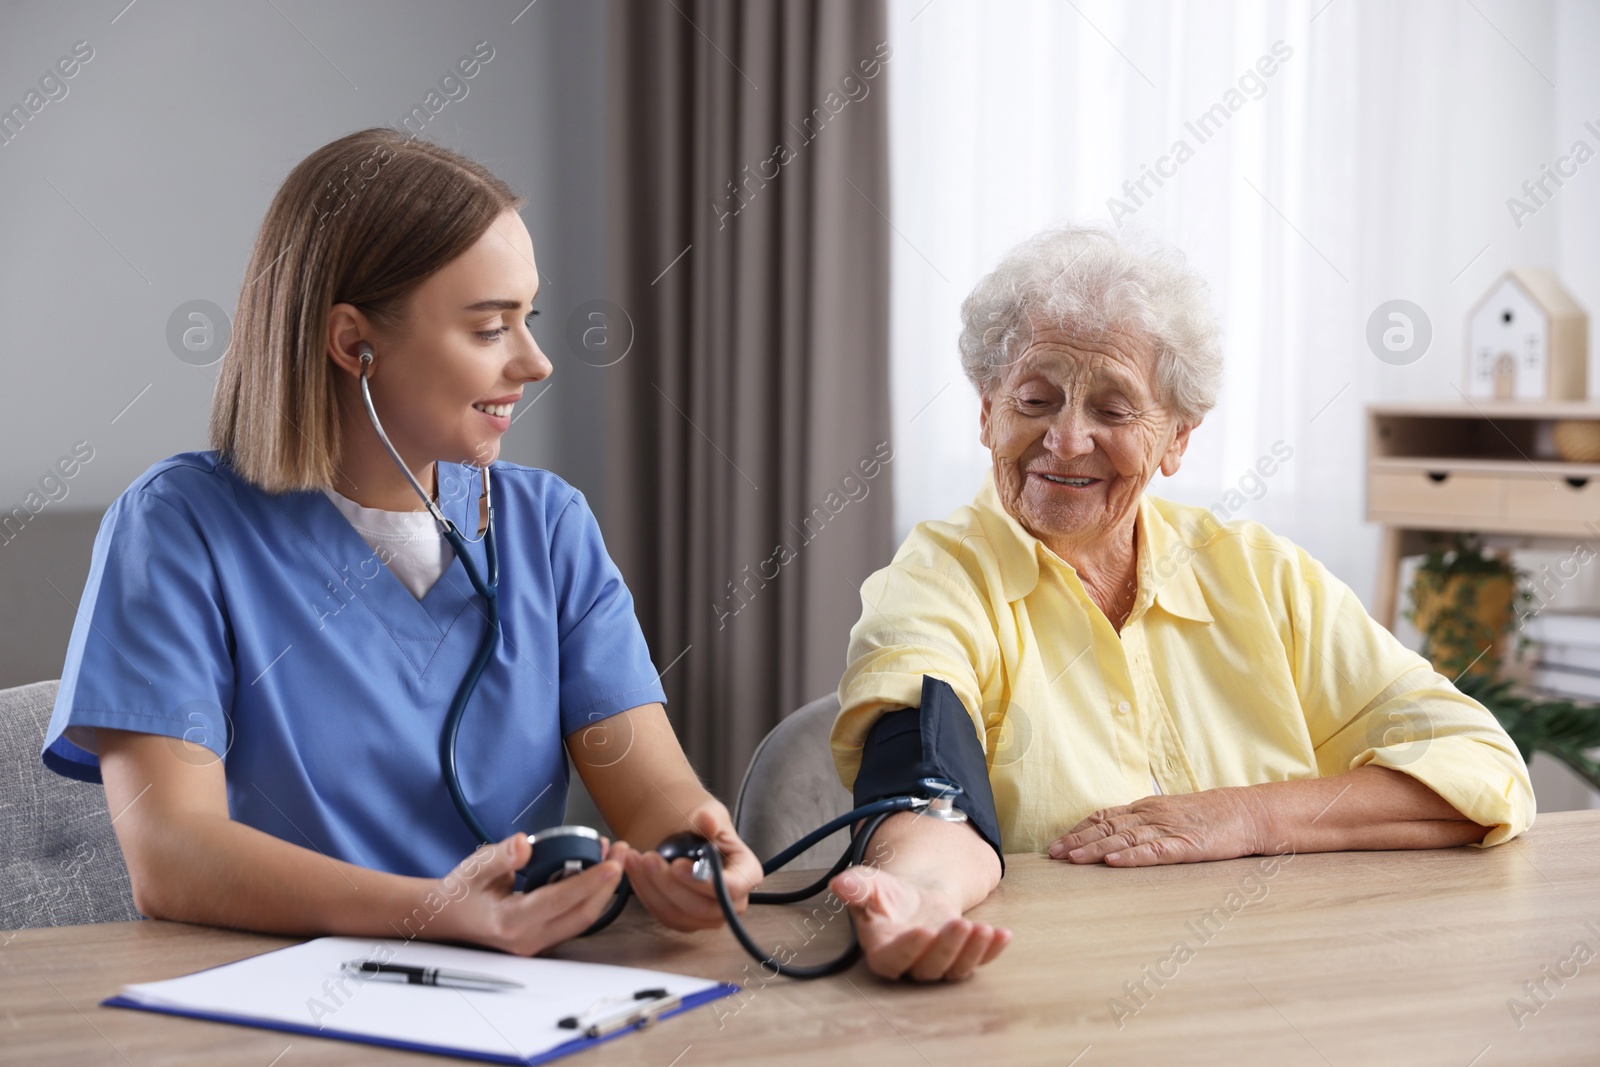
142	188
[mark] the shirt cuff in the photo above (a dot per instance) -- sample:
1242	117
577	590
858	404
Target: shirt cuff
1481	785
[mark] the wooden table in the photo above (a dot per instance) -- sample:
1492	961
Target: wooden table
1346	958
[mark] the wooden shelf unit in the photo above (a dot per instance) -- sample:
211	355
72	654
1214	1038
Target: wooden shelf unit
1482	466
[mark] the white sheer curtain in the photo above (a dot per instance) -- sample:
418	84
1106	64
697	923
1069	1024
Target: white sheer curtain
1372	164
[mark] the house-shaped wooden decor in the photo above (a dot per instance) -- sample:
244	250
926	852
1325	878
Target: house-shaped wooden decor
1527	339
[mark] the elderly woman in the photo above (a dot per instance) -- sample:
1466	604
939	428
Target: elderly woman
1150	685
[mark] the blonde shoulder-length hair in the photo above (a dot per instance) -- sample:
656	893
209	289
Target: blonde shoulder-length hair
363	220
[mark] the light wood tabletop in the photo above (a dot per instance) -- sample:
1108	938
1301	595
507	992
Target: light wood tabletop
1455	957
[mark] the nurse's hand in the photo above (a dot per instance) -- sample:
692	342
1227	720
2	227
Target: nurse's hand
670	891
913	930
483	906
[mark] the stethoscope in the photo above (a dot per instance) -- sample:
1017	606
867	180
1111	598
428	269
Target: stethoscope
488	589
562	851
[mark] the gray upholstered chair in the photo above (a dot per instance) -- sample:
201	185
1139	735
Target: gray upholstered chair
59	860
791	788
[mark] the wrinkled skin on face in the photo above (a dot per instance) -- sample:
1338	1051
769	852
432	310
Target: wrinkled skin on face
1076	430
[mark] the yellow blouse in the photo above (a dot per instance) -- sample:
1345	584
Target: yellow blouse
1243	661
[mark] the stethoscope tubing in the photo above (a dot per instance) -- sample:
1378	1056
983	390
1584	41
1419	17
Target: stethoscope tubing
874	814
846	959
488	588
490	591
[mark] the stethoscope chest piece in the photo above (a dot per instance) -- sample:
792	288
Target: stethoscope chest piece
560	852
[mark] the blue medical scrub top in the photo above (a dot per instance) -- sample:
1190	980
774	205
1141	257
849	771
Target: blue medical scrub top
263	627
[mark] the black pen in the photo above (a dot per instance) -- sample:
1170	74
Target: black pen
434	976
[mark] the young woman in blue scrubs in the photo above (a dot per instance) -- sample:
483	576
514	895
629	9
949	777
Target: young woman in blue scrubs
273	631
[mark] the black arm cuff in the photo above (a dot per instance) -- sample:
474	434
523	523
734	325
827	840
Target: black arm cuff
937	740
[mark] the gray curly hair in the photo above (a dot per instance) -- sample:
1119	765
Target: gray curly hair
1089	280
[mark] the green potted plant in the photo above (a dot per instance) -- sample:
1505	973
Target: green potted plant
1462	603
1566	729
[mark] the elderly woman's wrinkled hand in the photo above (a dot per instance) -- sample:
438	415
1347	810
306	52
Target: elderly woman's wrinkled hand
1215	824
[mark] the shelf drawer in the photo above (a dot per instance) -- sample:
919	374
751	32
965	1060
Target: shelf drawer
1459	495
1556	500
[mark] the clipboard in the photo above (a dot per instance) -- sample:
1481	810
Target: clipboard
303	990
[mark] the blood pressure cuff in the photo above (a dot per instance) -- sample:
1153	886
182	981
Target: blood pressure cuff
936	740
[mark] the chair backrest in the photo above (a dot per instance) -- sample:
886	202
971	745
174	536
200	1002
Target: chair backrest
59	860
791	787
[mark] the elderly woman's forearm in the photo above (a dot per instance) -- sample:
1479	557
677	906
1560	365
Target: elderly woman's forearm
1370	807
948	857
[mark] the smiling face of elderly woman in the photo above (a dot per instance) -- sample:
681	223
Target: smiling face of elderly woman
1077	429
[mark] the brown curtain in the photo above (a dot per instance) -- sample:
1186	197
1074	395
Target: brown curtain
749	248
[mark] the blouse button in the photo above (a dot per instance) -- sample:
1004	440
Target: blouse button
1124	707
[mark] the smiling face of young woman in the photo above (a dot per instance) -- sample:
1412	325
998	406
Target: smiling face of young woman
447	379
1076	431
